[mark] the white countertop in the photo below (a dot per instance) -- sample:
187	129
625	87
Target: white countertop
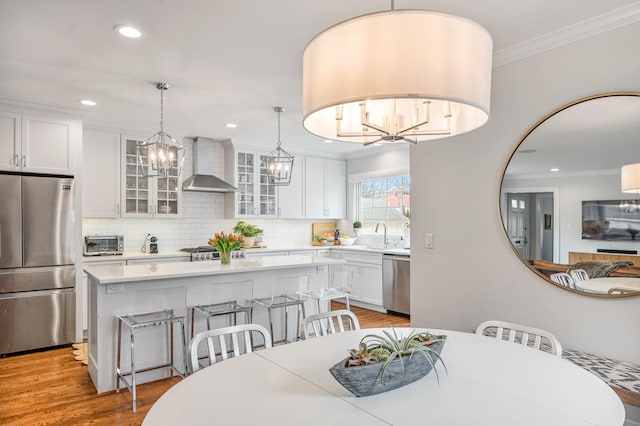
107	274
136	255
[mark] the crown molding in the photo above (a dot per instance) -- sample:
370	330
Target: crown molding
584	29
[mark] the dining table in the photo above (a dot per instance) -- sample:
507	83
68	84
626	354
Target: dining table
607	285
484	381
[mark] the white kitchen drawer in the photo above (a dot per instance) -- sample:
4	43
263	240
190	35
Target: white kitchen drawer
373	258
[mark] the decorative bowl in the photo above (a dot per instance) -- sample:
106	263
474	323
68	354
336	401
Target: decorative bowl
366	380
347	241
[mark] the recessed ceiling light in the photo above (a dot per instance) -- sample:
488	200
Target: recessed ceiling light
554	170
88	102
128	31
328	141
231	125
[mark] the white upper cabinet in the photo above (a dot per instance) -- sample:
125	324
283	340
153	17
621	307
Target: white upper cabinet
101	177
325	188
291	197
144	196
255	197
37	144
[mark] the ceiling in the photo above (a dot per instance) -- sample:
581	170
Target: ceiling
226	62
597	136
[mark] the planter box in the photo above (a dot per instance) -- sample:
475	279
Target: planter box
365	380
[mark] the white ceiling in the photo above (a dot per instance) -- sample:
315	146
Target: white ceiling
225	61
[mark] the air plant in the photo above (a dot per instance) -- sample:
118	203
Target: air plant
385	348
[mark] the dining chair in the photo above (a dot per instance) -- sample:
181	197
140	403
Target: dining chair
579	275
338	286
331	322
531	337
227	342
563	279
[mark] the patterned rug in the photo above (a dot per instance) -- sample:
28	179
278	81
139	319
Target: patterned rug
80	352
615	373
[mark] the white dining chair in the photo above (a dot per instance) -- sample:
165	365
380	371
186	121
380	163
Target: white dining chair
227	342
531	337
579	275
563	279
331	322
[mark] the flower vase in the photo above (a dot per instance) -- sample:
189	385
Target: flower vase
225	257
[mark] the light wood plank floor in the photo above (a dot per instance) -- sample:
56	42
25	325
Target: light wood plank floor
52	388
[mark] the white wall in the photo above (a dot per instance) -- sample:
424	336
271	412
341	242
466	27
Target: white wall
472	274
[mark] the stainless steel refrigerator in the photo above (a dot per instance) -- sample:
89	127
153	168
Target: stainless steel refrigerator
37	256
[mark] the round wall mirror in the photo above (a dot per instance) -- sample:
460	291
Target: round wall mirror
562	203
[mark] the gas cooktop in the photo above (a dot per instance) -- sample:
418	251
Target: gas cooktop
200	249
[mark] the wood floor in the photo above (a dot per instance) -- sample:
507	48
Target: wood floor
52	388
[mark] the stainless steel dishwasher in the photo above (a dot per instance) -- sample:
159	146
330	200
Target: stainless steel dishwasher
395	283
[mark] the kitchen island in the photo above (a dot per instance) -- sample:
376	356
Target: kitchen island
116	289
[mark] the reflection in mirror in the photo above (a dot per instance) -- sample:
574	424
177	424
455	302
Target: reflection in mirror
561	199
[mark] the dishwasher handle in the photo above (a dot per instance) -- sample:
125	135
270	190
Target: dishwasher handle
396	257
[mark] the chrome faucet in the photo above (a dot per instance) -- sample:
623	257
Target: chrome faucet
385	241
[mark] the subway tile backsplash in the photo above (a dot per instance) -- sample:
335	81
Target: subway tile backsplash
202	216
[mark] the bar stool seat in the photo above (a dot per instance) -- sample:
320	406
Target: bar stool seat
138	321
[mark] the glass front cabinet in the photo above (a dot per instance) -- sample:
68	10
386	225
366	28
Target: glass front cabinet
144	196
255	196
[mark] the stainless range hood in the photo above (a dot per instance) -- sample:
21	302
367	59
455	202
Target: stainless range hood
203	179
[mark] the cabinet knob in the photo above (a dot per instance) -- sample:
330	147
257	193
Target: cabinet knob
24	161
16	160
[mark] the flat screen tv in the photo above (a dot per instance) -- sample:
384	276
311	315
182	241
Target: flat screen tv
611	220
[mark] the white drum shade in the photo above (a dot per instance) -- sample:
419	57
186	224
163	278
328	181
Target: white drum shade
397	63
630	178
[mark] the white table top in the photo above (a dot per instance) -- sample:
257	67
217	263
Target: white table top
490	382
603	285
107	274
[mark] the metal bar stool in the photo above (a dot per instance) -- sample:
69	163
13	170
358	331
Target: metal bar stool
225	299
288	292
163	316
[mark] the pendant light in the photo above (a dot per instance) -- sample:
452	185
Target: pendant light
161	155
630	178
397	76
279	163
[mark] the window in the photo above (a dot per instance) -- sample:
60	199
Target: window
383	200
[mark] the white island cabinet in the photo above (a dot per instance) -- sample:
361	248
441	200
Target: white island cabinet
113	288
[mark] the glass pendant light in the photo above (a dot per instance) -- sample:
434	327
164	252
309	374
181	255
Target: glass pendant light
161	155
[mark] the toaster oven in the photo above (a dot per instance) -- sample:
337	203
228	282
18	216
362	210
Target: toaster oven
103	245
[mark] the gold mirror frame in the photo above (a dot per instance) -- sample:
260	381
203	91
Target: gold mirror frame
500	192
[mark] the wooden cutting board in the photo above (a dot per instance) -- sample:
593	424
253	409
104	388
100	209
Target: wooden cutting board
322	228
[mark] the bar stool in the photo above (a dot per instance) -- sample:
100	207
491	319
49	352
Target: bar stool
338	286
287	292
152	308
225	299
